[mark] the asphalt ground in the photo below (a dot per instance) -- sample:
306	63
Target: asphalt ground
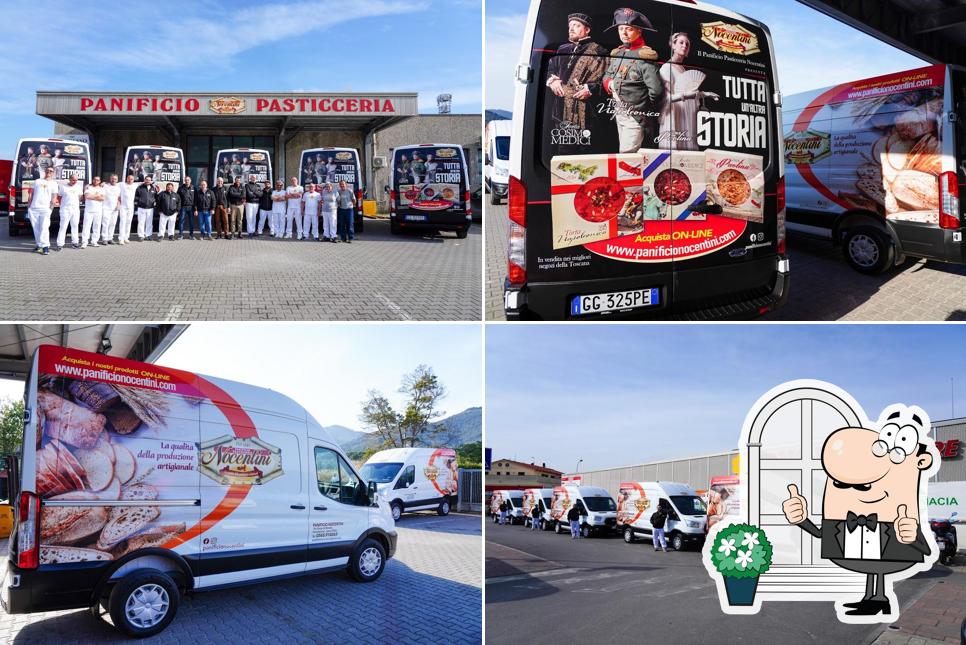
378	277
543	588
823	286
430	592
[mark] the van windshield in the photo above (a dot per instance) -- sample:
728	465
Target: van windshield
600	504
548	502
380	473
243	164
502	148
689	504
331	166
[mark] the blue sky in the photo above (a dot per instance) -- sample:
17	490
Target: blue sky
425	46
329	368
617	395
812	49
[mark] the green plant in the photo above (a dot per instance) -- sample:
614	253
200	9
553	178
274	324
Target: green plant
741	551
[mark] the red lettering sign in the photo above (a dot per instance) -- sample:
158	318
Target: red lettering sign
86	104
948	449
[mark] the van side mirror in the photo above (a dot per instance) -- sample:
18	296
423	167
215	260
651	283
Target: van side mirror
487	159
373	491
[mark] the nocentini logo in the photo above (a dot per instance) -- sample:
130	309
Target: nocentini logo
731	39
256	156
807	147
431	472
343	156
230	460
445	153
73	150
226	105
169	154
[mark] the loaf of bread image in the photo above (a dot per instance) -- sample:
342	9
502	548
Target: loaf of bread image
151	536
916	190
57	470
52	554
68	422
64	525
124	522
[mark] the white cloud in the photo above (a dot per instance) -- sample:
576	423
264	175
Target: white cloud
504	35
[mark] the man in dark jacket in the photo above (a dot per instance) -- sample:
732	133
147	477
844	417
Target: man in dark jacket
658	520
236	206
573	516
535	516
145	201
253	193
169	205
265	204
187	194
204	205
222	227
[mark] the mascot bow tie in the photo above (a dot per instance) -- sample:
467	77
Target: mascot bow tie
868	521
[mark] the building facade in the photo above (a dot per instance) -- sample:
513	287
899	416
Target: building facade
517	475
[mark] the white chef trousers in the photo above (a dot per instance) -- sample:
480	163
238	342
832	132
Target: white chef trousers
251	213
108	224
310	224
69	216
145	222
92	222
277	223
40	223
293	214
265	216
166	224
124	226
329	224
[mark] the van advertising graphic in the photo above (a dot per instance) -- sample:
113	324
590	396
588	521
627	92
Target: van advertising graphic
67	158
530	499
657	149
243	164
495	500
873	145
429	179
442	471
163	166
230	460
560	504
632	501
723	500
331	166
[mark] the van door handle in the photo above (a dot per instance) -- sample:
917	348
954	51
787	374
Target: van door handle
297	507
321	508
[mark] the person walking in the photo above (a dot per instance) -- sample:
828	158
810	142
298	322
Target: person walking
128	189
112	206
658	520
70	195
535	517
42	194
93	212
169	205
204	204
279	206
222	227
310	212
253	193
330	209
236	206
346	213
573	516
293	212
187	194
265	204
503	508
145	200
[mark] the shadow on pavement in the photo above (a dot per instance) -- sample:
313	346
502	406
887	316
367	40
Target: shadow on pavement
460	523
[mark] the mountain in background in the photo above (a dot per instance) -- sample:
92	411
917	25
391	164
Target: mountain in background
462	428
498	114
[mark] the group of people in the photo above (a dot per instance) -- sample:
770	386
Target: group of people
237	209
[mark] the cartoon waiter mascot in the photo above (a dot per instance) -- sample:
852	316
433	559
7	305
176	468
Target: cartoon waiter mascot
871	508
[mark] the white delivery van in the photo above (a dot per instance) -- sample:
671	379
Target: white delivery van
322	165
430	189
137	483
875	165
66	156
162	163
243	163
597	509
514	502
542	498
496	168
414	479
686	520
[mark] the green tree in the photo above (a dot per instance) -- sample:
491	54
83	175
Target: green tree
413	426
470	455
11	427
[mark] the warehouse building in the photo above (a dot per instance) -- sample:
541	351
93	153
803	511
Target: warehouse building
508	474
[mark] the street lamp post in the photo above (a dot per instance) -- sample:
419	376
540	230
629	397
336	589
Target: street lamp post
578	465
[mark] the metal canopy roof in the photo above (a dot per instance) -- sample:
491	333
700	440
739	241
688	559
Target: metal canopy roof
137	342
934	30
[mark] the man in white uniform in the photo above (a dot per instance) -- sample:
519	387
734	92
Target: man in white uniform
310	212
253	193
93	211
127	209
279	200
293	212
70	195
42	196
112	205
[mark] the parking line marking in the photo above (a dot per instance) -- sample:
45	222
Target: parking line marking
174	313
550	573
396	309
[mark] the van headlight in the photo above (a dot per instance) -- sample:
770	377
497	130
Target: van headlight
694	525
598	519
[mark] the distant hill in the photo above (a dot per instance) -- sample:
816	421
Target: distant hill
461	428
498	114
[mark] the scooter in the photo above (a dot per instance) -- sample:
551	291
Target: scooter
945	538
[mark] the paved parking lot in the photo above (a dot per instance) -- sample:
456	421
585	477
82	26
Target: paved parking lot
823	285
429	593
603	590
377	277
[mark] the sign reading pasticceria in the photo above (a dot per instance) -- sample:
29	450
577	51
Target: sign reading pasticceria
226	104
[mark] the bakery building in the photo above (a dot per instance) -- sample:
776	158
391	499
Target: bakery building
282	123
509	474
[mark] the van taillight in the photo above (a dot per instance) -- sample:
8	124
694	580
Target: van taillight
392	201
780	209
359	196
948	200
469	204
517	246
28	522
12	196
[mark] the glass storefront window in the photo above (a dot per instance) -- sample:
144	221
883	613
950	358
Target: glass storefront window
198	150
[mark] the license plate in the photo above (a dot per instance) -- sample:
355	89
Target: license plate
416	218
941	544
615	301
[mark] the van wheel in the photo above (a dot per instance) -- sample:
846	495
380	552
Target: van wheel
443	508
494	198
556	528
461	234
868	250
396	508
394	230
628	535
677	542
585	531
144	603
368	561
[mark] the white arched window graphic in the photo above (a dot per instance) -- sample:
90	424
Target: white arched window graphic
785	447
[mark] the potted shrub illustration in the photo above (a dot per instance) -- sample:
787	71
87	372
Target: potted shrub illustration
741	553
